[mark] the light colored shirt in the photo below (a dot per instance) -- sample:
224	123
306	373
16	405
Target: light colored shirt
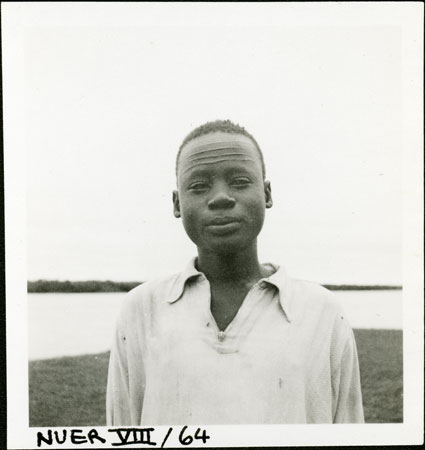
288	356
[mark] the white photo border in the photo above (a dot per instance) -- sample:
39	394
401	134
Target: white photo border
16	17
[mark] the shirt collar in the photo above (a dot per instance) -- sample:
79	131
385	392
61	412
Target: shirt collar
179	283
278	279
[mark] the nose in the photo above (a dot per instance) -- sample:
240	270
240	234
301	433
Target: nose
221	199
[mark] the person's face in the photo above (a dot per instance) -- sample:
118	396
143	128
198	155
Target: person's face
221	193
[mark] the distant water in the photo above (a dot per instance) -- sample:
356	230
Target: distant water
373	309
71	324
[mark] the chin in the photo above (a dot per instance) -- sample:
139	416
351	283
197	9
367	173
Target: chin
228	246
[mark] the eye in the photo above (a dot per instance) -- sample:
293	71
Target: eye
198	186
240	182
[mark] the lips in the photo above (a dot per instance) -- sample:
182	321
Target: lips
223	225
223	221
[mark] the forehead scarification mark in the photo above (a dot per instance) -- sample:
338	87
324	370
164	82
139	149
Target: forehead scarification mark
219	146
215	161
238	150
211	149
218	155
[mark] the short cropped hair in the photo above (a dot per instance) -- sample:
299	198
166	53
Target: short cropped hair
225	126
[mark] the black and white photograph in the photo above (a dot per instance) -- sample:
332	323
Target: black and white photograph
214	223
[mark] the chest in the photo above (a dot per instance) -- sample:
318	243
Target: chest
262	346
226	300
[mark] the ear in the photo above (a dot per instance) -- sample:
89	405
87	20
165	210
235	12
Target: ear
176	203
268	194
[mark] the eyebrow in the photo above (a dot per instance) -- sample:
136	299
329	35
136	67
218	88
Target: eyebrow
198	172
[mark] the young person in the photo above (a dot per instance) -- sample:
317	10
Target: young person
229	340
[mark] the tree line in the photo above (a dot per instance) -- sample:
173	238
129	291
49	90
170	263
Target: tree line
80	286
40	286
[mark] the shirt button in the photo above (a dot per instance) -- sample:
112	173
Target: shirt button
221	336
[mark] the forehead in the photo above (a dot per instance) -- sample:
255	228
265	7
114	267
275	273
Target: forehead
213	149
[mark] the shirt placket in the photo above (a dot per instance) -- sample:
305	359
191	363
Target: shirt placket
227	341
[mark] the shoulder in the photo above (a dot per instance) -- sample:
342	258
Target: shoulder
314	299
313	295
160	287
147	295
322	309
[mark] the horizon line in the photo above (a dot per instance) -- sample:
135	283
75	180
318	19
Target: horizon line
45	286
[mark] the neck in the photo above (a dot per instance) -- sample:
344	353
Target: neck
240	266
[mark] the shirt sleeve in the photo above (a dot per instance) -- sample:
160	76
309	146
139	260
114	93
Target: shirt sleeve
126	378
348	401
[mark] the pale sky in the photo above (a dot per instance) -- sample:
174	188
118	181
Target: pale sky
106	108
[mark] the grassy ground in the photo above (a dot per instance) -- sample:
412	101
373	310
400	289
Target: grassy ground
70	391
381	367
